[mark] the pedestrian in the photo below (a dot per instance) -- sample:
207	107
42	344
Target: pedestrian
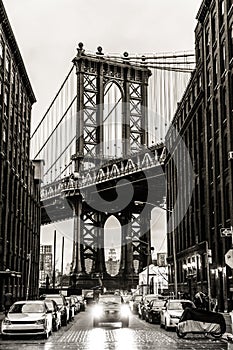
8	301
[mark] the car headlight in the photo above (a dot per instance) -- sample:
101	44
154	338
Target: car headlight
42	321
6	321
97	311
124	310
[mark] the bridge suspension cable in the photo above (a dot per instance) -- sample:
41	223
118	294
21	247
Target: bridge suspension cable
51	104
55	135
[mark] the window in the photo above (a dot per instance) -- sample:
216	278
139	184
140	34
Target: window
198	51
213	28
215	68
1	53
215	116
208	82
207	41
4	135
221	12
231	40
224	106
223	57
229	3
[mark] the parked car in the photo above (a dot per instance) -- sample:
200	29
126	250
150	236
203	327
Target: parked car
153	310
144	303
77	304
31	317
56	313
71	305
82	302
134	302
172	311
110	308
62	304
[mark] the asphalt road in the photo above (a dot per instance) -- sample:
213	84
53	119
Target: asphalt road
140	335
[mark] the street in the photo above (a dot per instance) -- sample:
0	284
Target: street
140	335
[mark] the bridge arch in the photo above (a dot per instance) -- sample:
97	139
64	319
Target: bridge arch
113	119
112	244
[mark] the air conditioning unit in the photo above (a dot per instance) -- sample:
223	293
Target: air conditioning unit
230	155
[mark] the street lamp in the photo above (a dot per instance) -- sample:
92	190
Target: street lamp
148	258
173	241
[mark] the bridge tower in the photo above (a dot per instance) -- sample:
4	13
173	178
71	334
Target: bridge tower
95	146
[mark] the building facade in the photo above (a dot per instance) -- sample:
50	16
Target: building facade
19	184
112	264
204	120
46	264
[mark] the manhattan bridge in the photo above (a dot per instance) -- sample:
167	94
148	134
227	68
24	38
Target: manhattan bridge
102	144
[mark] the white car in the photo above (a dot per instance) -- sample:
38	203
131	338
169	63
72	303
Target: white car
110	308
172	311
31	317
56	313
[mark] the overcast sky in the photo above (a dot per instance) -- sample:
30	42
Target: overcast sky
48	33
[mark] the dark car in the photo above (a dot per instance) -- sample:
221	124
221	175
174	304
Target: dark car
56	313
62	304
71	305
82	302
76	304
153	311
134	302
145	302
110	308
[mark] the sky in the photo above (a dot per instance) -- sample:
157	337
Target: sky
48	33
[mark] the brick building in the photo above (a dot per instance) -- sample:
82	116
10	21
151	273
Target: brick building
19	182
204	120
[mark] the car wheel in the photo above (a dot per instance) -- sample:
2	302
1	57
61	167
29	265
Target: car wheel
180	334
95	323
64	322
46	335
125	323
166	326
216	335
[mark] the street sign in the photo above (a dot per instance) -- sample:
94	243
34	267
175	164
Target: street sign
229	258
225	232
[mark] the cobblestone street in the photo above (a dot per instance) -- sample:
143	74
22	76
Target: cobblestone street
139	336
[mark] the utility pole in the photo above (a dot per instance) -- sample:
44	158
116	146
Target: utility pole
29	258
54	259
62	257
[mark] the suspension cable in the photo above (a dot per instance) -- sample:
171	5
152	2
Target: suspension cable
51	104
56	160
55	127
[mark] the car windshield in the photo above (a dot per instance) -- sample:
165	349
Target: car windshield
149	298
110	300
58	300
175	306
27	308
158	303
49	304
